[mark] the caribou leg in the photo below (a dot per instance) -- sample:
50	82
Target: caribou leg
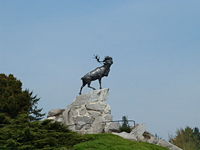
100	83
82	87
90	86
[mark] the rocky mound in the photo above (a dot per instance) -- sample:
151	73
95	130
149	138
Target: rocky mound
89	113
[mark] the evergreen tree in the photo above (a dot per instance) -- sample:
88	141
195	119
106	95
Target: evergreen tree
14	100
20	125
125	125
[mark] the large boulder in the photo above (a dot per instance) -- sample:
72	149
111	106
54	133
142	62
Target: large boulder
55	112
89	113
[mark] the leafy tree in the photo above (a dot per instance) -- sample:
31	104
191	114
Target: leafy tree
14	100
125	125
187	139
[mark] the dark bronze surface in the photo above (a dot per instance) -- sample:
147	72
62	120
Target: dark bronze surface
97	73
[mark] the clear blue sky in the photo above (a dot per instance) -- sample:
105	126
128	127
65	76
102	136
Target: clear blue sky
155	78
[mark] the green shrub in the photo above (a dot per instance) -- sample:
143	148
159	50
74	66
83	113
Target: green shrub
37	135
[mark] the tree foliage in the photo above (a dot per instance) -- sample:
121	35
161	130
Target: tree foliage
14	100
20	128
187	139
45	135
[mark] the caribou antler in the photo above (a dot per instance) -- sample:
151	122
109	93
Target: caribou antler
97	58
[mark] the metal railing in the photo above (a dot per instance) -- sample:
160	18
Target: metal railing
123	121
108	121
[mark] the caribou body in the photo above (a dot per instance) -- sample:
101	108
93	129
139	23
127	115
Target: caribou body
97	73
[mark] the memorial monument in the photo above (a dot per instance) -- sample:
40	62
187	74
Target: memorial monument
89	113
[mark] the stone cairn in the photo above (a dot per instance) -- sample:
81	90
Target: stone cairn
89	113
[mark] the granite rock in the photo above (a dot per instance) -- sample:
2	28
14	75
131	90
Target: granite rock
139	133
88	113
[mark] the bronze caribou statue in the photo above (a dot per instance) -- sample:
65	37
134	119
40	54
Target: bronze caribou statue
97	73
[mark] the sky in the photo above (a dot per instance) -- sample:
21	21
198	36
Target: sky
155	45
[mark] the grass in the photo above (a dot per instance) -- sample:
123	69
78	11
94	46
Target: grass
114	142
